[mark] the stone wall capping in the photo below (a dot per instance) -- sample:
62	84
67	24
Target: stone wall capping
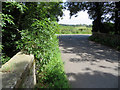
17	70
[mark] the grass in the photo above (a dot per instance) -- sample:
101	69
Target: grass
52	75
74	30
4	59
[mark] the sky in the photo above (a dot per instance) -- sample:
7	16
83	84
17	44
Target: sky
82	18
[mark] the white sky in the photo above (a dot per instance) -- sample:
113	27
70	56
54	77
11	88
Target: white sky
82	18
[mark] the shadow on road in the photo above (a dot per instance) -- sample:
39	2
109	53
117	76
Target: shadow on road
80	45
89	80
95	65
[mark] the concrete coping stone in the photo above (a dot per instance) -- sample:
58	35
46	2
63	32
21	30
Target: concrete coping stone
13	70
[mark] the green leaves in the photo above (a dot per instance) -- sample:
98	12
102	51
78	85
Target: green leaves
109	40
31	27
52	74
40	38
18	5
4	18
41	41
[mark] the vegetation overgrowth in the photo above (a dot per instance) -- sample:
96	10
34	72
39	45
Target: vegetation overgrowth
110	41
75	29
44	46
31	27
32	30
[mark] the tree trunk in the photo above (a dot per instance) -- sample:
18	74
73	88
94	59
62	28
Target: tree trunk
97	25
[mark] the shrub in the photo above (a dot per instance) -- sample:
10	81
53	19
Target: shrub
41	41
108	28
107	40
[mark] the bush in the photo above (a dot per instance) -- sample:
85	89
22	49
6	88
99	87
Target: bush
108	28
52	74
107	40
29	26
41	41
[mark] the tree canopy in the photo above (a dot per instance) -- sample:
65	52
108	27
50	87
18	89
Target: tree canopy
18	16
98	11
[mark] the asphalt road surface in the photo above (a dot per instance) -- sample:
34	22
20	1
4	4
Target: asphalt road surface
88	64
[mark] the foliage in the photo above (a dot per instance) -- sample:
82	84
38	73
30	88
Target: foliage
32	30
74	30
9	19
5	18
95	11
4	59
18	16
110	41
109	28
100	12
41	41
52	74
40	11
10	29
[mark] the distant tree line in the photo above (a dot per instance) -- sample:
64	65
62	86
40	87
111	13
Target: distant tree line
103	13
76	25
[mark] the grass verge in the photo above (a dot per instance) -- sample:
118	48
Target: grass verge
52	74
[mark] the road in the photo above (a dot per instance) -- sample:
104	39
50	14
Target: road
88	64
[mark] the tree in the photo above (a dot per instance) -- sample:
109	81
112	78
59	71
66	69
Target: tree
23	16
97	12
10	31
117	17
113	10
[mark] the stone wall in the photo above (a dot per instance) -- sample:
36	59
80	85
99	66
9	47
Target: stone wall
19	72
